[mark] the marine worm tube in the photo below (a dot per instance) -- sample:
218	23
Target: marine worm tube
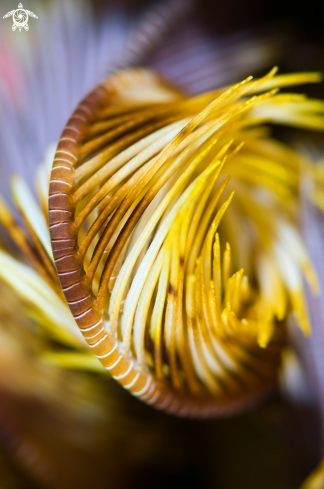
149	238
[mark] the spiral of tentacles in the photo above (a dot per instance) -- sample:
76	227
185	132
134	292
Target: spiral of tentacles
140	226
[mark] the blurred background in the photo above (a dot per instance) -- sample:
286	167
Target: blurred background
72	427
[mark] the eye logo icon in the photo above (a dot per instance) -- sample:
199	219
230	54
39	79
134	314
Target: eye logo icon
20	18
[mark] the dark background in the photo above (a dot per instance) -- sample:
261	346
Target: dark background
224	16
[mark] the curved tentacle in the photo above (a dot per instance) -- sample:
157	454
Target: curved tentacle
137	215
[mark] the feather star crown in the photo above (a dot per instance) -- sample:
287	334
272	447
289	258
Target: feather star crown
149	238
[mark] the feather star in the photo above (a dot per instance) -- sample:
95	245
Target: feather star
139	221
182	288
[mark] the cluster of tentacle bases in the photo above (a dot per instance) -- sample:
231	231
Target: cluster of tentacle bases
180	287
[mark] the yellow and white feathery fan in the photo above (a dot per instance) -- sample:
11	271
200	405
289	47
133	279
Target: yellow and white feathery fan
156	202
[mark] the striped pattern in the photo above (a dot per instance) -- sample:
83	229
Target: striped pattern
106	124
151	30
